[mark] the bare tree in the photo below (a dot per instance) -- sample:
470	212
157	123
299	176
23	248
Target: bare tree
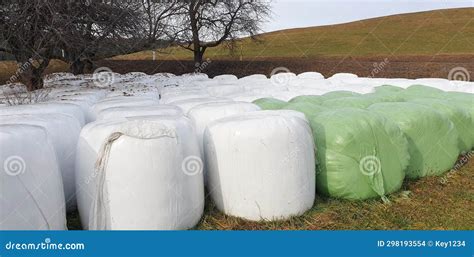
25	29
157	18
90	30
209	23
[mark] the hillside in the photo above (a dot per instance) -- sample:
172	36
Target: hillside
438	32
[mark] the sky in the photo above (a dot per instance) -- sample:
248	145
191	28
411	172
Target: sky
306	13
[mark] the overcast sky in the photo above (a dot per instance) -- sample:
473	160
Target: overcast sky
306	13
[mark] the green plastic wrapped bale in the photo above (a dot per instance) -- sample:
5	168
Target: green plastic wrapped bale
309	109
463	100
380	97
460	117
420	91
360	154
349	102
387	89
432	138
338	94
314	99
270	103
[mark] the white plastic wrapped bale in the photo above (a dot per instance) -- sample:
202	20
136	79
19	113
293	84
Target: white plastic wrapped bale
85	107
31	190
187	105
134	111
310	75
43	108
261	165
122	102
204	114
254	77
225	77
224	90
185	95
63	130
248	96
140	174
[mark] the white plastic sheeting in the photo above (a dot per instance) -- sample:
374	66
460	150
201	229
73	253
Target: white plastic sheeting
261	165
63	130
204	114
43	108
187	105
31	191
122	102
140	174
134	111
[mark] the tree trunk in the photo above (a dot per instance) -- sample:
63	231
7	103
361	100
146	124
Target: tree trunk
32	76
198	54
77	67
32	79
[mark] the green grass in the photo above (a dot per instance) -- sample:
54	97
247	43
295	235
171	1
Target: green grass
426	33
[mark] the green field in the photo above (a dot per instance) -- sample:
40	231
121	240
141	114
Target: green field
448	32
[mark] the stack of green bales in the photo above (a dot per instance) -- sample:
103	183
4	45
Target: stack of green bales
432	138
366	144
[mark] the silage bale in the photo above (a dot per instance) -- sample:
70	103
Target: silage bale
225	77
261	165
270	103
144	173
349	102
187	105
387	89
338	94
381	96
432	137
134	111
31	193
310	75
63	131
314	99
44	108
122	102
460	117
309	109
202	115
360	155
420	91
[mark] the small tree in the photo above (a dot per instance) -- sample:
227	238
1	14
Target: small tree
209	23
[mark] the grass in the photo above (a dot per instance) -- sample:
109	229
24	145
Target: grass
448	31
432	203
